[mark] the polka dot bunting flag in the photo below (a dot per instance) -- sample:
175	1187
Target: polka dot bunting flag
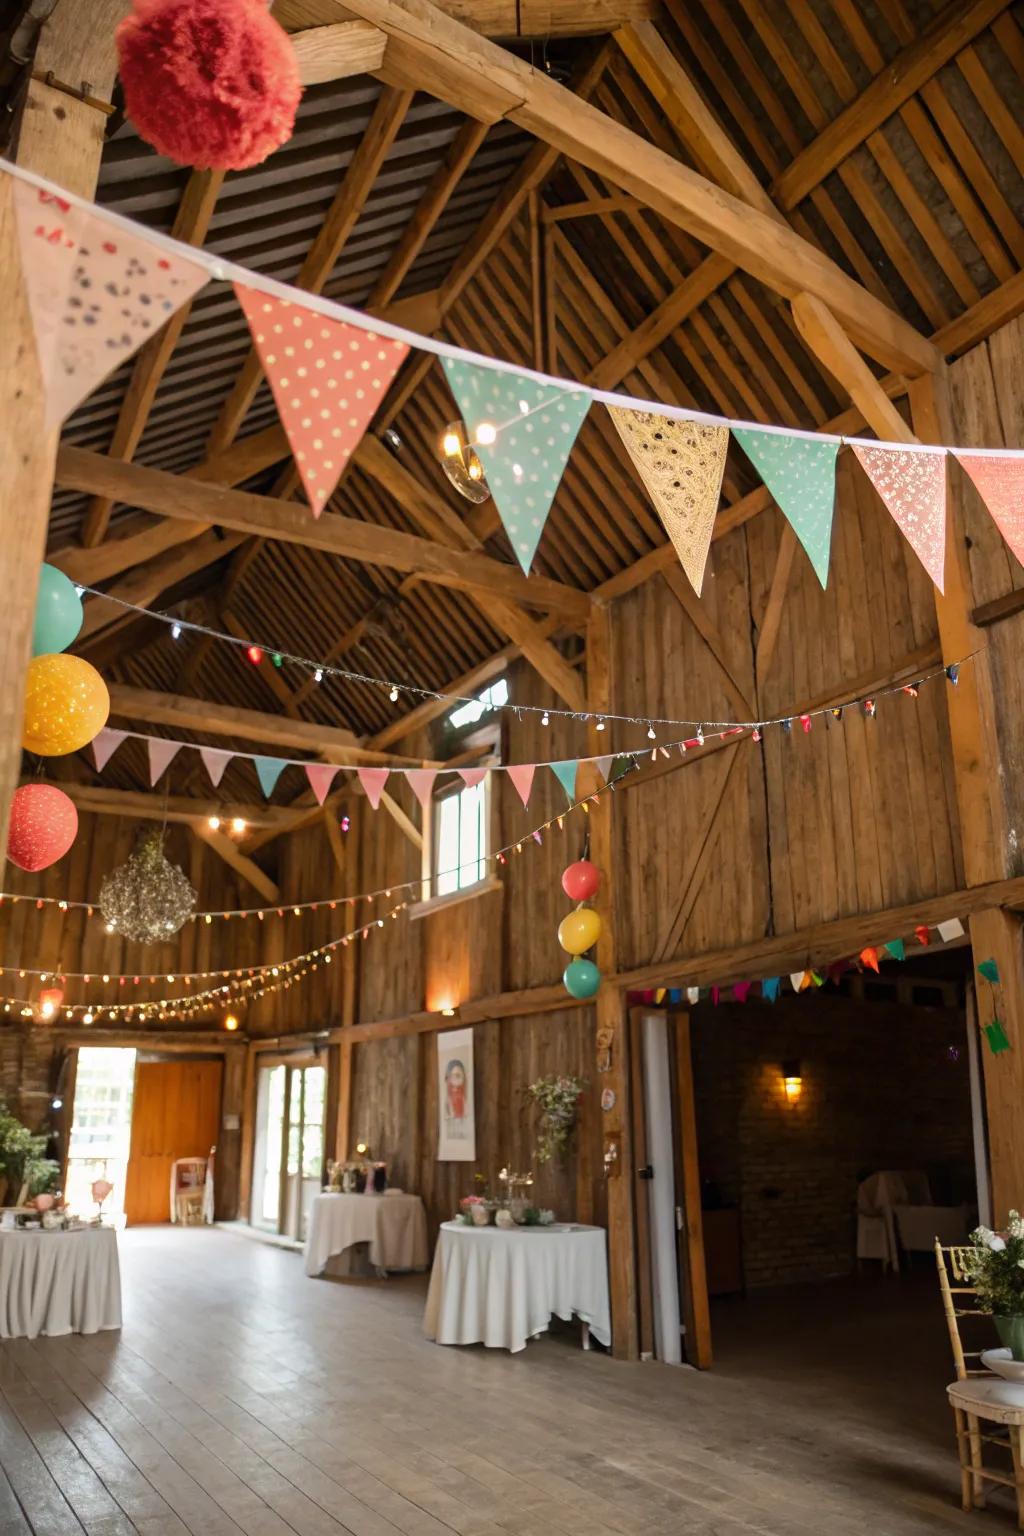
327	379
999	481
523	432
913	487
96	293
800	473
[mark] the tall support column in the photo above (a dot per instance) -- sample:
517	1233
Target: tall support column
60	137
997	935
611	1016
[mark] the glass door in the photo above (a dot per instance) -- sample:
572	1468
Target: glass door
101	1127
289	1146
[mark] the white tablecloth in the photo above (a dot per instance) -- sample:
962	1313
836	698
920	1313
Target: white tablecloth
59	1282
500	1288
394	1225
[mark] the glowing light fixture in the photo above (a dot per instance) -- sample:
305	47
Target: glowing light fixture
238	824
792	1080
230	1022
213	822
461	462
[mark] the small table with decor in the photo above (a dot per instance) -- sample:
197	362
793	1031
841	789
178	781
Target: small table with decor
393	1224
58	1282
501	1286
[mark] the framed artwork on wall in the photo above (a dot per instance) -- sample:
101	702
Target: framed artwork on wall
456	1107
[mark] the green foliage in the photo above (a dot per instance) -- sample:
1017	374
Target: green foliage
22	1157
996	1267
557	1097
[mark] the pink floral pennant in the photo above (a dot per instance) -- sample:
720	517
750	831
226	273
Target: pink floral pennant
327	380
421	782
373	781
521	775
321	776
471	777
999	480
96	292
912	483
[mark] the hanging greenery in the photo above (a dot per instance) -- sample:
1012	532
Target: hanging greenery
557	1097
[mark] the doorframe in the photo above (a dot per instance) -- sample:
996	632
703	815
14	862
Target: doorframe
266	1057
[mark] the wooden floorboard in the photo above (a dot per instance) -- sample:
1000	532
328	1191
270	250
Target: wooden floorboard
242	1399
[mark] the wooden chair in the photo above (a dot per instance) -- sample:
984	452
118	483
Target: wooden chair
977	1396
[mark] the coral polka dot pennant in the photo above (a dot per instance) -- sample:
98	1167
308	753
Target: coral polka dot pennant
913	487
523	432
327	378
800	473
681	464
999	481
96	293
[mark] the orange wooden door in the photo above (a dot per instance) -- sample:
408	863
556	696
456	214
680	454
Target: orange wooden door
175	1113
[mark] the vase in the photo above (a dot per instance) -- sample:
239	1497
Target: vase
481	1215
1011	1334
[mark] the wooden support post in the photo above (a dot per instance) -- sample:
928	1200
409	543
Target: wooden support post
611	1016
248	1137
228	1166
343	1133
997	935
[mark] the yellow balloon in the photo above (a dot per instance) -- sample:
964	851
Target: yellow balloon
66	705
579	931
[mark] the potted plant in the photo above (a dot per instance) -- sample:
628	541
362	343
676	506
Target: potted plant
557	1097
995	1264
24	1168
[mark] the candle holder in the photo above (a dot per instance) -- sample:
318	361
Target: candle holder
518	1192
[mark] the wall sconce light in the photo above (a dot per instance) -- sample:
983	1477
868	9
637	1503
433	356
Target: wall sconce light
792	1080
230	1023
362	1150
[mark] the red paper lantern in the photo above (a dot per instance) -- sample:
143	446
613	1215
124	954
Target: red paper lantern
50	999
43	826
581	880
210	83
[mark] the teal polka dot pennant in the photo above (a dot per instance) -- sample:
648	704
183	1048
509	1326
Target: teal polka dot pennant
535	426
800	472
565	772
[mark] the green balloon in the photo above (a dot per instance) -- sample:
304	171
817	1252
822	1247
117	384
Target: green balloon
582	977
59	613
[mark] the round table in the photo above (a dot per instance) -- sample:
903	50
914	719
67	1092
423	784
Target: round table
394	1225
59	1282
499	1286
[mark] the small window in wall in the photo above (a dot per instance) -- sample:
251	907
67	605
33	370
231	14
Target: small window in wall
470	712
460	839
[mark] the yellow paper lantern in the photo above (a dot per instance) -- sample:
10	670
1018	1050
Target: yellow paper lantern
579	931
66	705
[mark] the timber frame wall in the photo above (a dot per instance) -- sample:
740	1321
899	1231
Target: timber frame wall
743	861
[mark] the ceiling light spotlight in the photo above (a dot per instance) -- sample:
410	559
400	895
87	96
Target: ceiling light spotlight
238	824
213	822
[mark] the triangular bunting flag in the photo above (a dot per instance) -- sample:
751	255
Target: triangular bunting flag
96	292
604	765
565	773
999	481
770	988
471	777
522	777
693	995
321	776
681	464
912	483
869	957
897	949
797	980
951	929
373	781
268	771
741	990
800	473
215	760
104	744
327	379
990	970
996	1036
421	782
523	432
161	755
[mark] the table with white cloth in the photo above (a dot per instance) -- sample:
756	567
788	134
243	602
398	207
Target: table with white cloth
60	1282
501	1286
393	1224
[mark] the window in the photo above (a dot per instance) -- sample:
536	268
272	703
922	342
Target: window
491	698
460	837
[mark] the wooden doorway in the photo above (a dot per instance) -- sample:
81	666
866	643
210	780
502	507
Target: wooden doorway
175	1113
288	1147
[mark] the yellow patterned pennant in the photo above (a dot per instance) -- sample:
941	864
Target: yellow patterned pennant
681	463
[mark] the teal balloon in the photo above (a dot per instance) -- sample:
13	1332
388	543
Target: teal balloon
582	977
59	613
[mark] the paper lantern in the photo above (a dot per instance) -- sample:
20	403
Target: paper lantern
43	826
50	999
581	880
210	83
59	613
66	705
581	977
579	931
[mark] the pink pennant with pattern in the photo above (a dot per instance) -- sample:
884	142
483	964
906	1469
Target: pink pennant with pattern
421	782
321	776
215	760
471	777
999	481
327	378
161	755
105	744
522	777
96	292
912	483
373	781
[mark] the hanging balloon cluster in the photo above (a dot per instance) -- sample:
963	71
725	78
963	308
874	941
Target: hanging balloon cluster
66	705
580	929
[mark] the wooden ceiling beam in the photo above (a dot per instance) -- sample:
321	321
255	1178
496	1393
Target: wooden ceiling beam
152	806
145	583
337	51
499	18
245	867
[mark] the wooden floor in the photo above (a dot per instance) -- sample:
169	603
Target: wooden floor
242	1397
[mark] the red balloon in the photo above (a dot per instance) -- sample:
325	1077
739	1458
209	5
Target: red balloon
43	825
581	880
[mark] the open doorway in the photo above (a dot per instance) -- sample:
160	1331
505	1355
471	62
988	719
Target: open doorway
288	1148
101	1127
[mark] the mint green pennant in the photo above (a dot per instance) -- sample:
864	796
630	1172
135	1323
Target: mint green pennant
800	472
996	1036
268	771
989	969
897	949
565	773
534	427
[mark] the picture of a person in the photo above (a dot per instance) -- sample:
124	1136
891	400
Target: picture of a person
456	1106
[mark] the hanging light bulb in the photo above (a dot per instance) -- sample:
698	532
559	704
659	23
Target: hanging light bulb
238	824
651	733
393	695
213	822
599	726
544	719
175	631
318	675
461	463
255	654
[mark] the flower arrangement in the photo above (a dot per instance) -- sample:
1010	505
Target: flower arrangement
557	1097
995	1265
